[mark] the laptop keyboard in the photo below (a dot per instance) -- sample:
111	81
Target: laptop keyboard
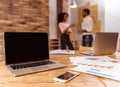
33	64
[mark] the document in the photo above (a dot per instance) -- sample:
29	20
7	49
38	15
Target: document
97	65
59	51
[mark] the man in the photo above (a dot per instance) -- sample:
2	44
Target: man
87	28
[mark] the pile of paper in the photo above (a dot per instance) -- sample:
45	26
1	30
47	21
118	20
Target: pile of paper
97	65
59	51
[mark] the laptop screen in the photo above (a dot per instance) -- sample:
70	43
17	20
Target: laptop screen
25	47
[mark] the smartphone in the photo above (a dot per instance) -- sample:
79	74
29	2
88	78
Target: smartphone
65	77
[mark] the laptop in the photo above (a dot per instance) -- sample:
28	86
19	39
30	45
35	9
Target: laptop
104	43
27	52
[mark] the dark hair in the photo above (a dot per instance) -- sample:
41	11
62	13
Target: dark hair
87	10
61	16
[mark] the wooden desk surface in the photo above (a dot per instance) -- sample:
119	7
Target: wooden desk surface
45	79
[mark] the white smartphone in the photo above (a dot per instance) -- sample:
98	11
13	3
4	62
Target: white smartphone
65	77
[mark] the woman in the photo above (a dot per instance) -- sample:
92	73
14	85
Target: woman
65	29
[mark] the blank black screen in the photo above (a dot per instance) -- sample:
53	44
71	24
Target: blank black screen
66	76
25	47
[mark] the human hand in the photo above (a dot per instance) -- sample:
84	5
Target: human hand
72	25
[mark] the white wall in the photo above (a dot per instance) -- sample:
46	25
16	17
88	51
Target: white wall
74	14
101	10
112	17
73	19
53	19
109	15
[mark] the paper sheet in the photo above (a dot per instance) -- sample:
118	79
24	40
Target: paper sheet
97	65
59	51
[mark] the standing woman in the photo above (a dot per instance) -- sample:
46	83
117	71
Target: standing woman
65	29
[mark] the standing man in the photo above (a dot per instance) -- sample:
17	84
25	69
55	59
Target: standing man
87	28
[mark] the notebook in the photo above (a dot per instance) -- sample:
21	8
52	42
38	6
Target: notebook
27	52
104	43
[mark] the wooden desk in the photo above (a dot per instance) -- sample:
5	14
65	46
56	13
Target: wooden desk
45	79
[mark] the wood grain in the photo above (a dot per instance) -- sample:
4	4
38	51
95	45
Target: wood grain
45	79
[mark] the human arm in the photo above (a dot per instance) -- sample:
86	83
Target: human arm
65	27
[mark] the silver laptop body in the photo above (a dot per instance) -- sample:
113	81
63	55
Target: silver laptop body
27	52
104	43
